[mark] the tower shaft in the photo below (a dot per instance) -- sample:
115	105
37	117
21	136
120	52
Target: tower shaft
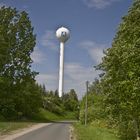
61	69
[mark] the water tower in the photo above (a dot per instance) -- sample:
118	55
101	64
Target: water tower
63	34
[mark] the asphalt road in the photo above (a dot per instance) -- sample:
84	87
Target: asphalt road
54	131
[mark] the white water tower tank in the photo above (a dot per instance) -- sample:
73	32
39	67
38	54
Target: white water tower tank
63	34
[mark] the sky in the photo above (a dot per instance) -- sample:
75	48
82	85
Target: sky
92	24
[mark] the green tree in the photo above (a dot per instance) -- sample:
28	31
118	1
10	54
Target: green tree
71	100
17	42
28	100
121	80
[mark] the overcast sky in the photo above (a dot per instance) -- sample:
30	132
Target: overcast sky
92	24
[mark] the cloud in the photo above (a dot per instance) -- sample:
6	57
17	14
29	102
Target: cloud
76	72
49	40
49	80
76	75
99	4
94	49
38	56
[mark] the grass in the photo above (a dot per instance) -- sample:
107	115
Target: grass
47	116
42	116
6	127
91	132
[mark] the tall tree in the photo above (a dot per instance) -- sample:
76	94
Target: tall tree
121	81
17	42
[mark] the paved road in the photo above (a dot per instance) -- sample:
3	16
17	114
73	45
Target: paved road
54	131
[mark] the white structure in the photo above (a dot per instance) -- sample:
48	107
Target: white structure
63	35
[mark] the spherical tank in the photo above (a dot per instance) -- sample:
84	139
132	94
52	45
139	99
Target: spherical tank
63	34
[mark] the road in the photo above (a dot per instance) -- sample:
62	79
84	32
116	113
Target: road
54	131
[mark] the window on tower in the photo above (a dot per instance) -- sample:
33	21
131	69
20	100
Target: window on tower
63	34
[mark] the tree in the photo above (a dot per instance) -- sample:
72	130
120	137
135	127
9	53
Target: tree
121	81
17	42
28	100
71	100
53	103
56	93
95	87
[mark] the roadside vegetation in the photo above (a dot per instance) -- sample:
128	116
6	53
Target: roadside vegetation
114	98
99	126
93	132
7	127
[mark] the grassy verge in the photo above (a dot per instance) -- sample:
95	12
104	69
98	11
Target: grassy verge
6	127
42	116
91	132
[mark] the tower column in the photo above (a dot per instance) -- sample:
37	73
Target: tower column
61	69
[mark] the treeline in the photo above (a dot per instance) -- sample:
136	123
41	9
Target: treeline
67	103
114	99
20	96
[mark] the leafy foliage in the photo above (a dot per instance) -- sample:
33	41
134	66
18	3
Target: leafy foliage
19	95
53	103
70	100
121	80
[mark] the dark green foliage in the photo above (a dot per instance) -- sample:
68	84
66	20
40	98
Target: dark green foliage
19	95
28	99
70	101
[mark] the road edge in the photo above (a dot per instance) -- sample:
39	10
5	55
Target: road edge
20	132
72	133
